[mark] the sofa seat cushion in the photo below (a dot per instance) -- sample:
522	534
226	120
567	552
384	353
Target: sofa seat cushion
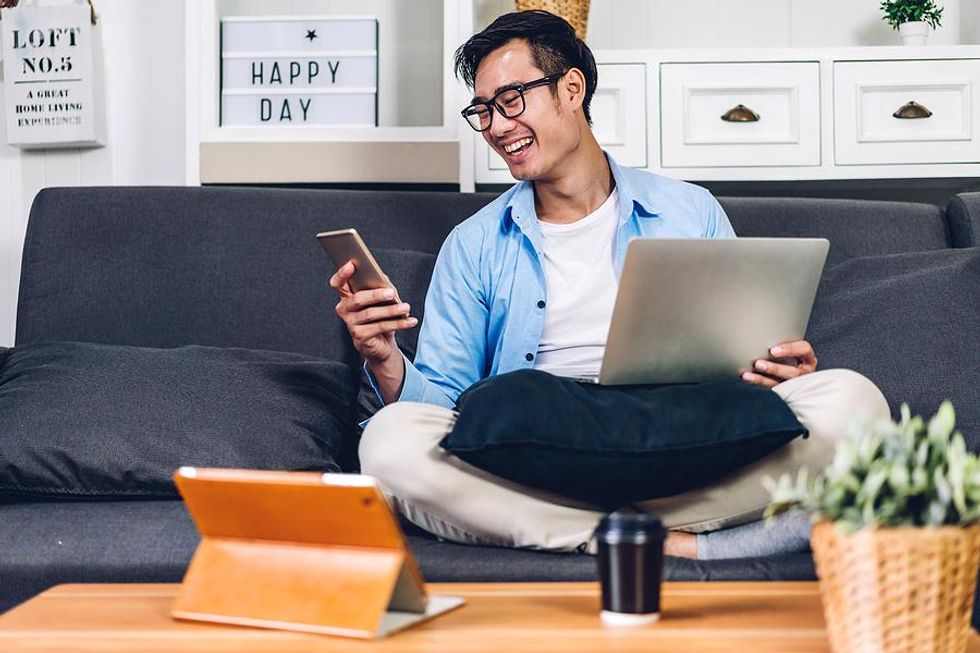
909	322
51	542
612	445
95	421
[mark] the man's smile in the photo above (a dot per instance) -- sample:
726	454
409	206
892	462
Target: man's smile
519	144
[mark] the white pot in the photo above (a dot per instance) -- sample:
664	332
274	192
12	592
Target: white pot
914	33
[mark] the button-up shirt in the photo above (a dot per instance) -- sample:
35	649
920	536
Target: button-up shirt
485	306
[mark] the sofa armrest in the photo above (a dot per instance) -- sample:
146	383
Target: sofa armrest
963	216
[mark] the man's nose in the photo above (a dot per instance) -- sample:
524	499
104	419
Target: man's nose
501	124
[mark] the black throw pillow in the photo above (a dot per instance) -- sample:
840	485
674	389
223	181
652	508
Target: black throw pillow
612	445
910	323
98	421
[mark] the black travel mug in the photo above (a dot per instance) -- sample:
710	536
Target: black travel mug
631	564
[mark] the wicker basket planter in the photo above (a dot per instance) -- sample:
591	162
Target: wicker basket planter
897	590
576	12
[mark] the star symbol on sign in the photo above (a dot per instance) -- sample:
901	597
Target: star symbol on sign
311	34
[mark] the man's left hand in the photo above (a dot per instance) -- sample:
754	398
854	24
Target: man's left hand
786	361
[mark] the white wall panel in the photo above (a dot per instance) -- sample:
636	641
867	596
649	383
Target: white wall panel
144	70
665	24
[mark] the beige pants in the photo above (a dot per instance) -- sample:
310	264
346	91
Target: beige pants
458	502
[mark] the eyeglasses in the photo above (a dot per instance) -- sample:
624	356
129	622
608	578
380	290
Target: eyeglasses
509	102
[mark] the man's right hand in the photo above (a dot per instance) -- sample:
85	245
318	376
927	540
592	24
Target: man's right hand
372	317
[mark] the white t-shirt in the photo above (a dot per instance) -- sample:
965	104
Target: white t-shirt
580	278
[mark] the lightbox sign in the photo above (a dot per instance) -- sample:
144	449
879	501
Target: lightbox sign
283	71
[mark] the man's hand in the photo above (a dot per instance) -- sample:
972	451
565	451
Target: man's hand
786	361
372	316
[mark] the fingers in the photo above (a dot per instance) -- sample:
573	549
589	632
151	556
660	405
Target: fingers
364	298
340	278
364	332
759	379
799	349
379	313
777	371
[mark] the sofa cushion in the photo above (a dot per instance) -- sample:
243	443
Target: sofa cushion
854	227
963	214
88	420
50	542
610	445
223	267
909	322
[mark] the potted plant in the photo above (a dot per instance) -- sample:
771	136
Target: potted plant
896	540
912	18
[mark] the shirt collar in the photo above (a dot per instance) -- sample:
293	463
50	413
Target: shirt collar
520	206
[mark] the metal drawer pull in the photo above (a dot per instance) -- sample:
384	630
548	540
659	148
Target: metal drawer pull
740	113
912	111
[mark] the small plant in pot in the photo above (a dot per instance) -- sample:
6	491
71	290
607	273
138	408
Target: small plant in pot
912	18
896	540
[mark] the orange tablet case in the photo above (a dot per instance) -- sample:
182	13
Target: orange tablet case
299	551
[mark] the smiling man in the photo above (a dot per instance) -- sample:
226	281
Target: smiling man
530	282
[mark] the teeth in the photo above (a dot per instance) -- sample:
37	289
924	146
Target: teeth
516	145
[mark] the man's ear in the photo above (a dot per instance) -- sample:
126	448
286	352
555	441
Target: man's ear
573	88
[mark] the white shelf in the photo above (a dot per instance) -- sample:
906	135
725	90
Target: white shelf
321	147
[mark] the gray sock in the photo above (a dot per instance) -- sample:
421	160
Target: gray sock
788	532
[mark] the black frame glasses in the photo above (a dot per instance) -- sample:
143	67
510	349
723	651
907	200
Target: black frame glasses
509	102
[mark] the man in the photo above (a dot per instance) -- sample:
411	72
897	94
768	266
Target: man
529	282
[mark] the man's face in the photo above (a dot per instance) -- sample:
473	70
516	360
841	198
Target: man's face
534	142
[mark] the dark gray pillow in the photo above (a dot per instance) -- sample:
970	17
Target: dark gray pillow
89	420
911	324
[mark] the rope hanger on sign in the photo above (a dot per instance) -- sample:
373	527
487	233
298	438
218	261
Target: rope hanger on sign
10	4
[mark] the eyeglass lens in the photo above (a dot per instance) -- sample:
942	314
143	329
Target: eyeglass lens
509	102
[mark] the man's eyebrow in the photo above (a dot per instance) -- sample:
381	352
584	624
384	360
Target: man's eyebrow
503	87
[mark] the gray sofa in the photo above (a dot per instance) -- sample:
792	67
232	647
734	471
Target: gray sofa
239	267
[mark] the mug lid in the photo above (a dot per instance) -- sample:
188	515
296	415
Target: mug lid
629	526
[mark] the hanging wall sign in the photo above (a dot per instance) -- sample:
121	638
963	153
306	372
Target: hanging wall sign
52	71
286	71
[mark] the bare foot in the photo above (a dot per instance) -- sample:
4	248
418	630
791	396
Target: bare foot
681	544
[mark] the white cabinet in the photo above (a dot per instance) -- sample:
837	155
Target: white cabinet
789	114
894	112
730	114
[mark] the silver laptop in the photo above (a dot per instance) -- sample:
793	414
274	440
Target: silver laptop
694	309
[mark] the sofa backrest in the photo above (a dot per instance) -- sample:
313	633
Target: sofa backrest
231	267
963	213
854	227
240	267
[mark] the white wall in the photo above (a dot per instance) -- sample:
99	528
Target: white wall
618	24
144	64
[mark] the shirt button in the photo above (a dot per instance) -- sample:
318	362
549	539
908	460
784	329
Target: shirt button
540	303
529	357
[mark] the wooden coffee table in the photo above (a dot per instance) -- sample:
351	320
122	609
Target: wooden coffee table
498	618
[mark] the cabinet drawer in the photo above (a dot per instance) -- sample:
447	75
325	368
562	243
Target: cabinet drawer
868	95
618	119
785	97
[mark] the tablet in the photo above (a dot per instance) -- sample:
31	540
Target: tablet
299	551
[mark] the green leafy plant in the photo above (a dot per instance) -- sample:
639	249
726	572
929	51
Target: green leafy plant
907	11
909	473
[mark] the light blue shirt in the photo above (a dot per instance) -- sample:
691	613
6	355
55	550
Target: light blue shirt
485	306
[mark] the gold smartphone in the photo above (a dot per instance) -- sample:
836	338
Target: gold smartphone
346	245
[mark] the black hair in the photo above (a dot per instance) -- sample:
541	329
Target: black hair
554	48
